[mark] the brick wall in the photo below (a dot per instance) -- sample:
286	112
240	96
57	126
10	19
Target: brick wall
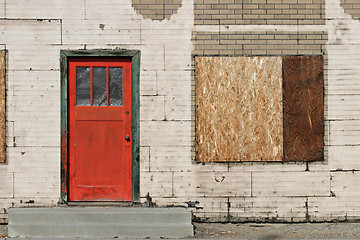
351	7
259	12
260	43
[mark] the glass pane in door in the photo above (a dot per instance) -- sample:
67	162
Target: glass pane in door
83	86
99	86
116	86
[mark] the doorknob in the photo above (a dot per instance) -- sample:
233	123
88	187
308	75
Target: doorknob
127	139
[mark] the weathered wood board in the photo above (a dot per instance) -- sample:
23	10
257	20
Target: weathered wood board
239	109
2	106
303	108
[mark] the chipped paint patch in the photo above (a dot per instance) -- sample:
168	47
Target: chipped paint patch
157	9
351	7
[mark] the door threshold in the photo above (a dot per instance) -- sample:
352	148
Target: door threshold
100	204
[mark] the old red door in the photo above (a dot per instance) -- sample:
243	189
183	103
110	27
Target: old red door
100	148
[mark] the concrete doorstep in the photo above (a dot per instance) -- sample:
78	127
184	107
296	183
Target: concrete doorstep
261	231
95	222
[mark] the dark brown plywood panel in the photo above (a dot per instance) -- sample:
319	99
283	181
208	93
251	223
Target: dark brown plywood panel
303	108
2	107
238	109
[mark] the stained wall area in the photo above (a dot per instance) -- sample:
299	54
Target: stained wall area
34	32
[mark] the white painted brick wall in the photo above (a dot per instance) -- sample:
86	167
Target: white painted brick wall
158	184
213	191
212	184
177	133
6	188
152	108
270	208
43	9
170	158
344	157
148	85
288	184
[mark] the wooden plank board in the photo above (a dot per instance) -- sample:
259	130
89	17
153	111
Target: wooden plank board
303	108
2	106
239	109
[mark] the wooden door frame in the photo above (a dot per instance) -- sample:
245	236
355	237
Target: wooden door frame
135	59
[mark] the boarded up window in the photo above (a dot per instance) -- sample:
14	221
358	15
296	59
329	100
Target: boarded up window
2	107
240	114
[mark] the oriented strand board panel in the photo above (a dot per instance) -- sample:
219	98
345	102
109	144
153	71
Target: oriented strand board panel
303	108
239	109
2	106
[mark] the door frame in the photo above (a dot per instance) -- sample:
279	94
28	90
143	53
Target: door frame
134	55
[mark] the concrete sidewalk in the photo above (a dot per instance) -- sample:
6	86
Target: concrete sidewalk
278	231
262	231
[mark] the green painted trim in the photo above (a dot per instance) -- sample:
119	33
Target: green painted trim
135	58
100	53
64	128
136	126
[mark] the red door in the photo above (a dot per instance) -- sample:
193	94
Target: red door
100	147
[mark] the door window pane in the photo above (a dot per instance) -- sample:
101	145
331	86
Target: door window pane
116	86
99	86
83	86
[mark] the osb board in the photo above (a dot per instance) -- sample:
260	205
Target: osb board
239	109
303	108
2	106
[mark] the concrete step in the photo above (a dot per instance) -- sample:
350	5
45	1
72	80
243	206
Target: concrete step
100	230
96	222
102	215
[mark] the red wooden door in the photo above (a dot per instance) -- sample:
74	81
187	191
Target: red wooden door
100	148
